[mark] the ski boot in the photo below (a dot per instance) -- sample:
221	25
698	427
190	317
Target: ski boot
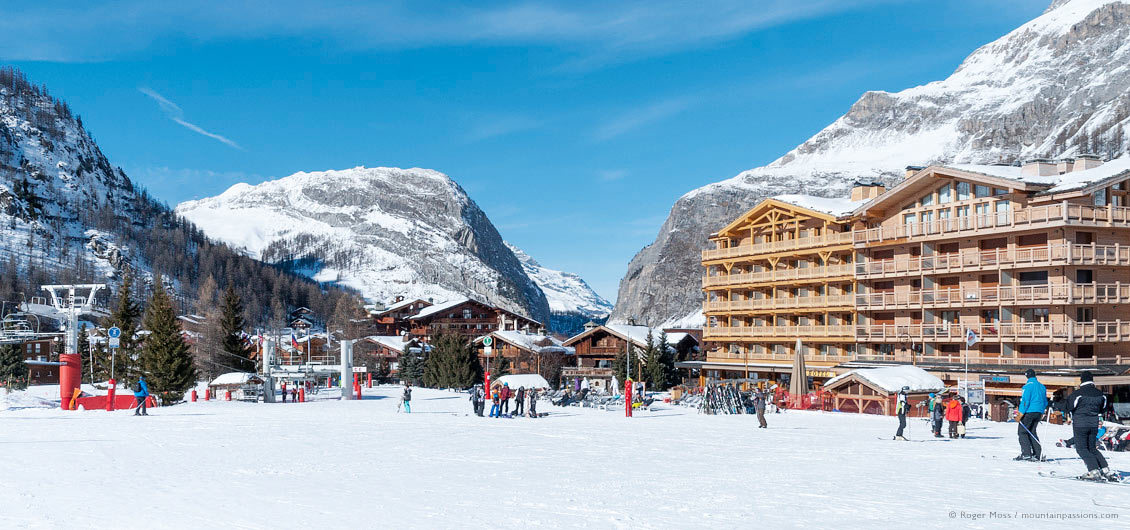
1109	475
1093	475
900	438
1022	458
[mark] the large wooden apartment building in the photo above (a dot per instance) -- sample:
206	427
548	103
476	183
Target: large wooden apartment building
1034	260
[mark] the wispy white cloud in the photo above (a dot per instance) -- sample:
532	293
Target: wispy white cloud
612	174
175	113
594	31
635	118
486	127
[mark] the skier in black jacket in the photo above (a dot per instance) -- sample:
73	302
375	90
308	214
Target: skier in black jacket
1086	405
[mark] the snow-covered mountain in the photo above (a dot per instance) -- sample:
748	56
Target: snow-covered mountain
571	301
1058	85
384	231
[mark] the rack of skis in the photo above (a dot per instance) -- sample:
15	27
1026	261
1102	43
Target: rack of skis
725	399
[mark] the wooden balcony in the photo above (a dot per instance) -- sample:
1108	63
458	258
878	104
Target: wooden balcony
782	358
989	260
585	371
835	238
1024	218
1029	332
773	304
750	278
903	357
1046	294
738	332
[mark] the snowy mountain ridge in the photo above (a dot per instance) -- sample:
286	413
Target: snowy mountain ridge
1057	86
383	231
566	292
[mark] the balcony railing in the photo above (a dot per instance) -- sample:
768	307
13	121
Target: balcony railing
841	300
777	275
903	357
585	372
977	260
727	357
834	330
1059	332
1068	293
1031	217
834	238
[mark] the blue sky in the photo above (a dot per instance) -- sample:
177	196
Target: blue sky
574	125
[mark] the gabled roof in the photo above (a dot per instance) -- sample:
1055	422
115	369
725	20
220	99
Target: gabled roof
400	305
769	204
637	335
392	342
531	342
439	308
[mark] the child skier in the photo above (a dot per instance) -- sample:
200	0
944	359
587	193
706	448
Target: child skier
494	407
938	415
406	397
900	410
141	394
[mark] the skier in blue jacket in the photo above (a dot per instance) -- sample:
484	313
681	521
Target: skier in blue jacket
1033	403
141	394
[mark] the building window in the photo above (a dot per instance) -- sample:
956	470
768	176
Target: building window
945	194
980	191
1034	314
467	314
998	191
926	200
963	191
1100	198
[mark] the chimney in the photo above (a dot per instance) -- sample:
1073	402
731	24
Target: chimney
1085	162
399	298
1039	167
590	325
862	191
911	170
1065	165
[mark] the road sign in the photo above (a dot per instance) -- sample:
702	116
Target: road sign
115	342
114	332
970	338
486	350
360	369
488	341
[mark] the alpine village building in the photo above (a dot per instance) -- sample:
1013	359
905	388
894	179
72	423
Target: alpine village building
1002	267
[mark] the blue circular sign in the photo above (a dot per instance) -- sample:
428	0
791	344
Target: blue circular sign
114	332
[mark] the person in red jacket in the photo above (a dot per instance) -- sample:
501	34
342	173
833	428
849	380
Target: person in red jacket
504	396
953	415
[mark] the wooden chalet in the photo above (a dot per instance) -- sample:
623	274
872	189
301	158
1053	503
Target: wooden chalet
387	348
875	390
40	350
394	320
523	350
469	318
597	347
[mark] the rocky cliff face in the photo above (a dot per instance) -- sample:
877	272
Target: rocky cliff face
572	302
383	231
1058	85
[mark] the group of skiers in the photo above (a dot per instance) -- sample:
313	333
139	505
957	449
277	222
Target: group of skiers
953	410
1085	406
525	401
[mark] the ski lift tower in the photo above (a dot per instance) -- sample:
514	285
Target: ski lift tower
70	301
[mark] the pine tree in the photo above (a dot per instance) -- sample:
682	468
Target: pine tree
238	351
13	370
452	362
84	352
623	360
165	356
411	367
125	317
383	371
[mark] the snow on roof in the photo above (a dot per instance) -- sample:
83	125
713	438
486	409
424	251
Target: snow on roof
439	308
893	378
522	380
527	341
1059	183
395	342
638	334
399	305
837	206
233	378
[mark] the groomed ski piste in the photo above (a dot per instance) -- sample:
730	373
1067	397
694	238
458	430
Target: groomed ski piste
328	463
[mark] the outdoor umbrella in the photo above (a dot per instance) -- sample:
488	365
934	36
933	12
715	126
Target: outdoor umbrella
798	384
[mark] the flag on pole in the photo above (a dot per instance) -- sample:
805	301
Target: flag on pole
294	341
970	338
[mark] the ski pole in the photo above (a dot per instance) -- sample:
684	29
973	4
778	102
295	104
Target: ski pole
1034	437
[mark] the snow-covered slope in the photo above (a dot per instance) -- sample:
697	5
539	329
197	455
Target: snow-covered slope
383	231
1058	85
54	186
571	301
